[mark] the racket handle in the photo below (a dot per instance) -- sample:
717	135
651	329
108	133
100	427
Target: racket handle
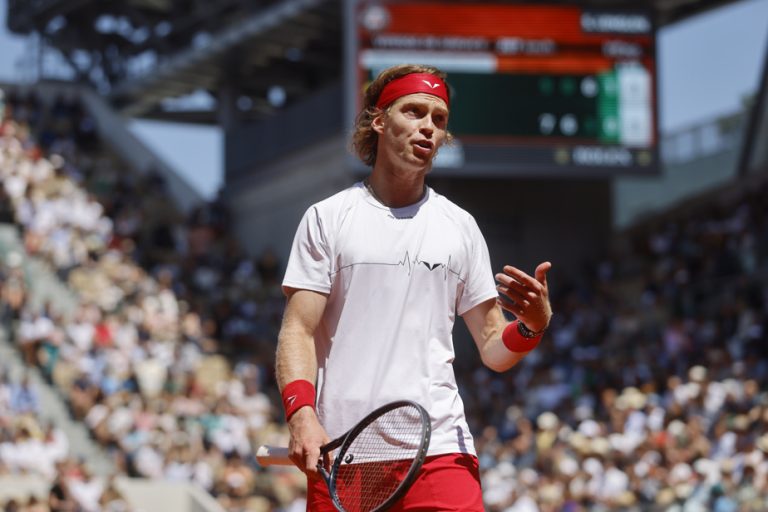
273	456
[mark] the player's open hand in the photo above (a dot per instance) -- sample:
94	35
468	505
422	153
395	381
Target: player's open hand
526	297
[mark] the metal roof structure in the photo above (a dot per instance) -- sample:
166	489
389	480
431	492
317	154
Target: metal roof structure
142	52
253	57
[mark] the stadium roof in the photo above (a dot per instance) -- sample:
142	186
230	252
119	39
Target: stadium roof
253	57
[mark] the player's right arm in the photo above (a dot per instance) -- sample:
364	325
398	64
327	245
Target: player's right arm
296	361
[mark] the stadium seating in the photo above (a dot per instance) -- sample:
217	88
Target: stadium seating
648	393
137	362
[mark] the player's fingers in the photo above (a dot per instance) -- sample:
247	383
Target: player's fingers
522	289
327	456
297	457
513	294
523	278
523	296
541	272
312	456
510	306
327	461
519	302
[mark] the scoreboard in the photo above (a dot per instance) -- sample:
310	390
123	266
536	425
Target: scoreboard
536	89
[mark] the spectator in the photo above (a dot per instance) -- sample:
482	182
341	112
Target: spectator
24	399
86	490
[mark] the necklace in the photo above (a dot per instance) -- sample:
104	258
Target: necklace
368	187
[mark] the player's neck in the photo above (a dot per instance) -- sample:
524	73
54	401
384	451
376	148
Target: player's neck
393	191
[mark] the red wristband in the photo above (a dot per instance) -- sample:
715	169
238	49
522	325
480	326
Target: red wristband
297	394
516	342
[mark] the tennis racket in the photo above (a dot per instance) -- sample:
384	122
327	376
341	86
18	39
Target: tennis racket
375	463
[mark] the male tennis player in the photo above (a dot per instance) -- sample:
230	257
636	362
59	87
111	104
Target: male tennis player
377	274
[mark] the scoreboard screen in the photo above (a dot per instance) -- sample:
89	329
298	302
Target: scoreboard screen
536	89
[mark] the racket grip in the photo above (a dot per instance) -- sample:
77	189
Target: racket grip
273	456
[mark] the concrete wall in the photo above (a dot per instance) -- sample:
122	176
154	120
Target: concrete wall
151	496
526	222
267	208
21	487
144	495
695	160
251	146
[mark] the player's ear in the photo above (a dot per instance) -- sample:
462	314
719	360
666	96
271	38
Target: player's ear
377	123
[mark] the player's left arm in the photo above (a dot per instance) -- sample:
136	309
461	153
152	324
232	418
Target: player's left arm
524	296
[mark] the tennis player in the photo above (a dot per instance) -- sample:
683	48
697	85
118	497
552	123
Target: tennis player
376	277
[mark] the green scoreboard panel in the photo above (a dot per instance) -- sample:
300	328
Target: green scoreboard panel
537	89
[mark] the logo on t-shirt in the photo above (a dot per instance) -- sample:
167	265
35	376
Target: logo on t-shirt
409	264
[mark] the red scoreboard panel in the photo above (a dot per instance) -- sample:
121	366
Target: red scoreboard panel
537	89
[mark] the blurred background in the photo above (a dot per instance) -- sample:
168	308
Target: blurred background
157	155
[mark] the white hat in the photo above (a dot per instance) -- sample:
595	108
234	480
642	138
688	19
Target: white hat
676	427
728	465
550	493
506	469
600	446
583	412
592	466
636	400
641	468
589	428
579	441
683	490
697	373
665	496
547	421
528	477
568	466
762	443
681	472
741	422
704	466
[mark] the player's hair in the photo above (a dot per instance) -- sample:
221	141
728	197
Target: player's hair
364	137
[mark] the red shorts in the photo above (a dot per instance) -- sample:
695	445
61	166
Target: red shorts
448	482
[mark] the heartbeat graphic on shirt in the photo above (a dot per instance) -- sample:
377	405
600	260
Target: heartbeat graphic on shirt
411	264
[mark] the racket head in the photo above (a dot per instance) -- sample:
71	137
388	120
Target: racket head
379	458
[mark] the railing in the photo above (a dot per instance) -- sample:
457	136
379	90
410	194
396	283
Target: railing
703	139
695	160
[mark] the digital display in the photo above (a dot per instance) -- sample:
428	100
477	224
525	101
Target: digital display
535	89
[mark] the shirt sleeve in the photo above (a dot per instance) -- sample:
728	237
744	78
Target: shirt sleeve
309	264
479	285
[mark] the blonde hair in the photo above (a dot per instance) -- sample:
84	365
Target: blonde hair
364	138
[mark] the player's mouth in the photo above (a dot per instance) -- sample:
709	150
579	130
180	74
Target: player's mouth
423	148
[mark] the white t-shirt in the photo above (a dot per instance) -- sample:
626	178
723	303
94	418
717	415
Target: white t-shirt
395	279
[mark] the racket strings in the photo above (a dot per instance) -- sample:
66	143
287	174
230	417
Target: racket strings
378	460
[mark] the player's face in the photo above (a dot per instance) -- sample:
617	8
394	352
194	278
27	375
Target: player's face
412	130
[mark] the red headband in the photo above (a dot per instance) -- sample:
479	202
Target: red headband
411	84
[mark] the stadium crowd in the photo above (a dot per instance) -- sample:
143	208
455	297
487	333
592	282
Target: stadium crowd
143	360
31	445
649	392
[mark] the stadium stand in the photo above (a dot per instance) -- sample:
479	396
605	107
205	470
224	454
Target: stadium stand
649	395
146	377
